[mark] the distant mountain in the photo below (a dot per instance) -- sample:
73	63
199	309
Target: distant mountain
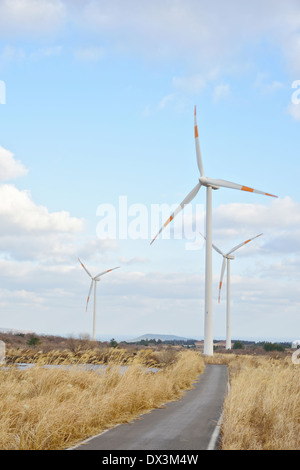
149	336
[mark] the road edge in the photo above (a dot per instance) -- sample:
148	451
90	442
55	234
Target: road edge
212	445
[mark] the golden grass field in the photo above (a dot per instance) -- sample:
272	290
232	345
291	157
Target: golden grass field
47	409
262	410
44	409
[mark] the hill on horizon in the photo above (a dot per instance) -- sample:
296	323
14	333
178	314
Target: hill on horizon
157	337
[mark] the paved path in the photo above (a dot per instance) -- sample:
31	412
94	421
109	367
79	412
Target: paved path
186	424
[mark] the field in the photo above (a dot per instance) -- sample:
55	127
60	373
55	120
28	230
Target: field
47	409
55	408
262	410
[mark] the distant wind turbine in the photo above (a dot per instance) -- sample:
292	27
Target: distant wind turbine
210	184
94	280
226	264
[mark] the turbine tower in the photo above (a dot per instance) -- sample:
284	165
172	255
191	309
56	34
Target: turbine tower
210	184
94	281
226	265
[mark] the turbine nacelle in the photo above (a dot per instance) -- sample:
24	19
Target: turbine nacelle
231	257
204	181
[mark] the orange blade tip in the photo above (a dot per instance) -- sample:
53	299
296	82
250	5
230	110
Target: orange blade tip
153	240
169	220
245	188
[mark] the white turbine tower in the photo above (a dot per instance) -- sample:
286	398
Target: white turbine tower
210	184
94	281
226	265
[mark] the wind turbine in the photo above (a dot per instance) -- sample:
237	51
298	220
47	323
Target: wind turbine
210	184
226	264
94	281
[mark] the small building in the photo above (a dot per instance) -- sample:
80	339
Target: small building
221	345
296	344
199	345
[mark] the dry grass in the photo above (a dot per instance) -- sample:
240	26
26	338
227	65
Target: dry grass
262	410
90	355
46	409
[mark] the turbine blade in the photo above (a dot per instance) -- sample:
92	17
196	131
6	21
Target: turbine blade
87	302
197	144
221	277
188	199
242	244
214	246
104	272
228	184
84	268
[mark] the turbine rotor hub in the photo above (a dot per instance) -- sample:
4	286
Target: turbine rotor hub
205	182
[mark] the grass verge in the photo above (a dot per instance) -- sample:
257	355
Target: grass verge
262	410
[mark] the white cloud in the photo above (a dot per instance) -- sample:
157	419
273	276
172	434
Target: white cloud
89	54
134	260
221	92
279	222
194	83
204	33
283	213
294	111
263	84
30	17
11	53
9	167
51	51
165	100
29	230
273	86
162	28
201	32
18	212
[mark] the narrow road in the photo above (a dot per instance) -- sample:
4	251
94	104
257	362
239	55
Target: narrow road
186	424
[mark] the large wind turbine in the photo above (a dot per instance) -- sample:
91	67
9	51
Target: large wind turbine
210	184
226	264
94	281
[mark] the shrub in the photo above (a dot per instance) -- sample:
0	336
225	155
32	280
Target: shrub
33	341
273	347
238	345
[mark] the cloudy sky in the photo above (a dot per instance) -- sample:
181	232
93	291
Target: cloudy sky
97	146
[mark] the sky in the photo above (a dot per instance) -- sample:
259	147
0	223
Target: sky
97	148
